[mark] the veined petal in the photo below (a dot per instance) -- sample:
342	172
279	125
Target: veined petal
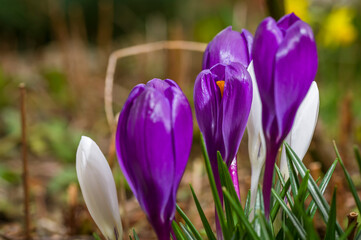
295	67
98	188
267	39
148	143
226	47
207	104
122	131
237	100
303	127
287	21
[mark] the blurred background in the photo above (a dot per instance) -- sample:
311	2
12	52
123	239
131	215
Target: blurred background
60	50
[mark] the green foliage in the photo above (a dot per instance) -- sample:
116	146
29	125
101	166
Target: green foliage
289	205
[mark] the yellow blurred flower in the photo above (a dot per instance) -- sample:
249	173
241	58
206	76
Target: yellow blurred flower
299	7
338	29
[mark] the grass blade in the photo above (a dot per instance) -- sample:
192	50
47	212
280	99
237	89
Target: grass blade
312	188
189	223
277	206
204	220
349	180
187	233
291	216
358	157
239	211
331	224
324	183
177	231
216	198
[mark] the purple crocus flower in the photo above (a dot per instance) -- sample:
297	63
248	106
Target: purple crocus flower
222	99
228	46
285	64
153	142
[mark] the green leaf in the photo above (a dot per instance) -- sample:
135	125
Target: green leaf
324	183
277	206
189	223
331	224
358	157
135	235
223	171
204	220
293	177
187	232
216	198
280	177
247	204
96	236
239	211
291	216
177	231
312	187
349	180
266	232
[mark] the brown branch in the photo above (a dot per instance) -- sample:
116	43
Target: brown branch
135	50
25	162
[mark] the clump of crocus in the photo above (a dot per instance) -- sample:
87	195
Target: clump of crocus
222	100
285	63
153	142
228	46
98	188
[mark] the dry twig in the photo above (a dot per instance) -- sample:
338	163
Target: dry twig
25	161
135	50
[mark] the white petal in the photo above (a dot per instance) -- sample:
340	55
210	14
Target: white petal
303	127
256	142
98	188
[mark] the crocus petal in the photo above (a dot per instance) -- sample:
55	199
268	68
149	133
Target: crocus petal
256	142
237	100
98	188
286	21
266	42
207	104
296	66
303	127
228	46
149	120
153	142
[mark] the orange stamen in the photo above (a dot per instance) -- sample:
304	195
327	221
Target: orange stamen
220	84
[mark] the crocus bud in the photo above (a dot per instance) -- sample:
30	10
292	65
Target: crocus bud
98	188
222	101
303	127
256	142
285	63
153	142
228	46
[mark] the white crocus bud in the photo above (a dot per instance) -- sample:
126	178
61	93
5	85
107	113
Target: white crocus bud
256	142
98	188
303	127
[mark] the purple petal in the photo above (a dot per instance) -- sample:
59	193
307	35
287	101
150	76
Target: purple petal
146	153
122	131
182	125
207	103
296	67
287	21
226	47
266	42
248	39
237	100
